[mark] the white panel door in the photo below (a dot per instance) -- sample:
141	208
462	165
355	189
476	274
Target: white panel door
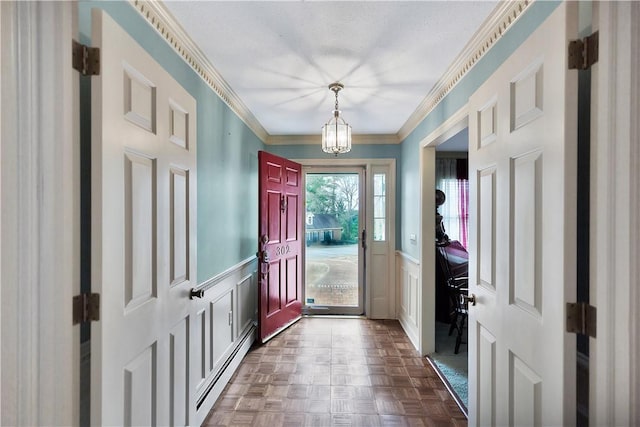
143	236
522	163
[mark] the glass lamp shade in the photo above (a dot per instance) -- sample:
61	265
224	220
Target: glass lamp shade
336	135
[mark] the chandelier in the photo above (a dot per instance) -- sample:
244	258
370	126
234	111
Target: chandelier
336	133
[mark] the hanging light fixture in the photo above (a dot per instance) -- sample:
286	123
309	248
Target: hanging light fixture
336	133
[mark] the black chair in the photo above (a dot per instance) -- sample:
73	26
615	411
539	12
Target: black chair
456	288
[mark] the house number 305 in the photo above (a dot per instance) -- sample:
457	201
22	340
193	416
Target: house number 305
282	250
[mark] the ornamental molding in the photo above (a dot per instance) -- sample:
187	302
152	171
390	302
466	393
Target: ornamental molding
159	17
492	30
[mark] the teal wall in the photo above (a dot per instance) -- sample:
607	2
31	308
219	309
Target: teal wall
227	151
227	148
409	170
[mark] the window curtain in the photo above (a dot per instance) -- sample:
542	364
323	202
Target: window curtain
452	178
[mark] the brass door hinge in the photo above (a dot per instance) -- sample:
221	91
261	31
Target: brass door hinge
581	319
86	60
583	53
86	308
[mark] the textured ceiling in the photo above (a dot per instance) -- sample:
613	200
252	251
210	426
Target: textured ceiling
279	57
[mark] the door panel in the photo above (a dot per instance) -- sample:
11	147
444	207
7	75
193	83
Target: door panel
179	373
522	163
143	236
280	244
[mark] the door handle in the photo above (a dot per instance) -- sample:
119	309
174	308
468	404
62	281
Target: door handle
262	254
263	257
466	299
196	293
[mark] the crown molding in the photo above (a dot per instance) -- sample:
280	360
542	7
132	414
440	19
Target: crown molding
159	17
371	139
493	28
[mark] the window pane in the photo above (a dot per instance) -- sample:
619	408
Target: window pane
379	207
379	184
378	229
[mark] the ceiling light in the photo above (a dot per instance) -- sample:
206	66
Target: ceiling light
336	133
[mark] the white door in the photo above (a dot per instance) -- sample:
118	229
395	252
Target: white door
143	236
522	163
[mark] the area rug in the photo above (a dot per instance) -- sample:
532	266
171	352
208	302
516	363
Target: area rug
453	367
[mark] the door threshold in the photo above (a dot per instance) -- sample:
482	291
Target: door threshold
341	316
449	388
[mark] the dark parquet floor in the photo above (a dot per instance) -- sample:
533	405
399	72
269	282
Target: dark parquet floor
336	372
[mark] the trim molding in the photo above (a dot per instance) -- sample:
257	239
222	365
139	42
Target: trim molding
407	257
40	215
615	218
492	30
371	139
159	17
218	278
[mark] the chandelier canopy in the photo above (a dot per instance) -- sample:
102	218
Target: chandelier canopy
336	133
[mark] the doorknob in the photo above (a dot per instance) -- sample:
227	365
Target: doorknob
263	257
466	299
196	293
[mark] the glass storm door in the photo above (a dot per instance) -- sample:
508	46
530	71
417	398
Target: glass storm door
334	254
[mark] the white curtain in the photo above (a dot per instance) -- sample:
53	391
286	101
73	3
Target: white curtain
454	209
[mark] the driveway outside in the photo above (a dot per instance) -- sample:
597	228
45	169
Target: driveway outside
332	274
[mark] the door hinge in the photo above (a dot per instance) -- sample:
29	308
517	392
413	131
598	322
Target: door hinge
581	318
583	53
86	60
86	308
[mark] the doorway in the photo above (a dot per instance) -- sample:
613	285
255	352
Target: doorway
451	267
334	253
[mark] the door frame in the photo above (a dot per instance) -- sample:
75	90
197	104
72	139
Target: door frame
615	157
427	272
40	218
362	218
391	186
615	217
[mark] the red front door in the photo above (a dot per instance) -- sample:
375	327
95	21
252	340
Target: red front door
279	243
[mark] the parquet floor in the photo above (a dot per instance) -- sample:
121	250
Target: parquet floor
336	372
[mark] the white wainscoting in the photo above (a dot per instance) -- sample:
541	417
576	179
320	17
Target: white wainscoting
223	332
409	310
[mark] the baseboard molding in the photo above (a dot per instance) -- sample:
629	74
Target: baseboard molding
221	379
410	330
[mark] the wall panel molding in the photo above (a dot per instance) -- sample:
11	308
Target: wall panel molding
408	298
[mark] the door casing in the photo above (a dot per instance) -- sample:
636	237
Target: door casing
390	287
